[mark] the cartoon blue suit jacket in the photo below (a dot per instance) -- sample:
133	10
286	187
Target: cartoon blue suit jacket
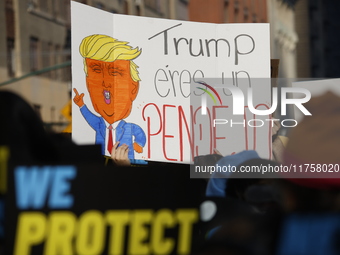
124	131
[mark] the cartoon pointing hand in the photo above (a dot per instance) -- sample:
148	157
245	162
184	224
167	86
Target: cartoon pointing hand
78	99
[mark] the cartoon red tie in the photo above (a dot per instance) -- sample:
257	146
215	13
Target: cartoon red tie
110	141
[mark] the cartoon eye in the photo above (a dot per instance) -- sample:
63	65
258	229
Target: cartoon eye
115	72
96	69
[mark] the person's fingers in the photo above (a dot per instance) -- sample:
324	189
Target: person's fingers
121	157
121	152
113	153
81	96
115	145
125	152
114	150
276	127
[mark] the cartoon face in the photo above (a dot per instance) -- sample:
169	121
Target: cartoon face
111	88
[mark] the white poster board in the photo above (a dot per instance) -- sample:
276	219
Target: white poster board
173	54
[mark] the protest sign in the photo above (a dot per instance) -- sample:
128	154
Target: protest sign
68	209
150	106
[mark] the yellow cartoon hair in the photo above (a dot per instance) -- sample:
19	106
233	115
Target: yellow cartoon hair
108	49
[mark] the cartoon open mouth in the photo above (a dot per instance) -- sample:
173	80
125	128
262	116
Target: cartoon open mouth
107	96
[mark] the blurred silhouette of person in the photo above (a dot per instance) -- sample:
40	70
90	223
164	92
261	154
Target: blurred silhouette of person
315	141
311	195
23	132
256	188
217	183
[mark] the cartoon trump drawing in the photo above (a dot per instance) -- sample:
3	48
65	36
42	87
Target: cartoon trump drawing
112	82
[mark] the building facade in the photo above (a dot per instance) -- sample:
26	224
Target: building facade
279	13
228	11
318	50
36	35
35	38
284	38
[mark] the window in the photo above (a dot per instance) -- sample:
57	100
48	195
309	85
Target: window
9	4
236	16
10	57
43	5
34	54
154	5
45	57
137	11
67	70
57	60
10	21
126	7
254	18
245	14
51	58
226	11
59	9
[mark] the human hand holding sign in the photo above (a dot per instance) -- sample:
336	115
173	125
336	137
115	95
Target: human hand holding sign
276	128
78	99
120	155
